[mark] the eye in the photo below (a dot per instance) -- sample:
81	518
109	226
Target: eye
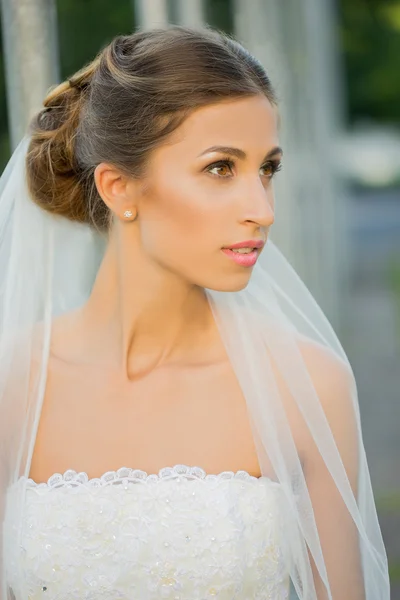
221	165
224	168
272	167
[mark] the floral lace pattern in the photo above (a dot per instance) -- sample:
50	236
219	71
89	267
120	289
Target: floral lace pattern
179	535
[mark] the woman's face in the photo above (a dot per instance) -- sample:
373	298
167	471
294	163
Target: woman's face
200	199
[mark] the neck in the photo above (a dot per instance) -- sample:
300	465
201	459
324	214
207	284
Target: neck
139	315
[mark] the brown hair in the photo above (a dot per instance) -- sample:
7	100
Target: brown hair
122	105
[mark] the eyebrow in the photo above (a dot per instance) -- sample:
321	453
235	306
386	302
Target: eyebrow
238	152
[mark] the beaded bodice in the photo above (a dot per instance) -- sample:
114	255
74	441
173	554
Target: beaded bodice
178	535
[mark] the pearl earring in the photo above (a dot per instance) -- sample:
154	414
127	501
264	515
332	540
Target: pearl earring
128	214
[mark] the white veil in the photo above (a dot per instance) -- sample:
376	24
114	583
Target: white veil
290	365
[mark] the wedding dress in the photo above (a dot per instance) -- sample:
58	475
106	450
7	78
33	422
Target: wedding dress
179	535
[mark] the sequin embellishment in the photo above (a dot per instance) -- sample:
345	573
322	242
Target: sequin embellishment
176	535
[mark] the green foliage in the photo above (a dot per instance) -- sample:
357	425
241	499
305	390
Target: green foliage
388	503
394	572
85	26
219	14
5	147
370	38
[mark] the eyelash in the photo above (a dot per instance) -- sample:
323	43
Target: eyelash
274	164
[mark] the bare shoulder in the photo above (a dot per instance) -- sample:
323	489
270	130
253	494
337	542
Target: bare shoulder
334	382
331	375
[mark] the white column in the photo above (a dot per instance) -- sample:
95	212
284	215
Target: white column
31	59
324	82
151	13
295	43
190	12
258	28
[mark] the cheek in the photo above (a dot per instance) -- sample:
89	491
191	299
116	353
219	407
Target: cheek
183	217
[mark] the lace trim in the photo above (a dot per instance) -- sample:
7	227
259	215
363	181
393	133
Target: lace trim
125	475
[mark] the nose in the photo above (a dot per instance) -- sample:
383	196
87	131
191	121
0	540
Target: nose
259	205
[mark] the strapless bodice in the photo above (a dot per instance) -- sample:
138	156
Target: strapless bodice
179	535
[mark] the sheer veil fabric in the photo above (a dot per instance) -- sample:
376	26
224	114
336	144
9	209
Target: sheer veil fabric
295	376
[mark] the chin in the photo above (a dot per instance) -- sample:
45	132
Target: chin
230	284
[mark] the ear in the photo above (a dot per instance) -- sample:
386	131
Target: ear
117	190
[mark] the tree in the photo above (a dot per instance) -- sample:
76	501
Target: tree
370	34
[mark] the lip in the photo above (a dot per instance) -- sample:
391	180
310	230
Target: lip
244	260
246	244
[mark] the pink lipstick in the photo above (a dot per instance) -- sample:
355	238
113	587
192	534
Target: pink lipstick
248	256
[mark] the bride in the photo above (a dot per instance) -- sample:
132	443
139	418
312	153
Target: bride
178	418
